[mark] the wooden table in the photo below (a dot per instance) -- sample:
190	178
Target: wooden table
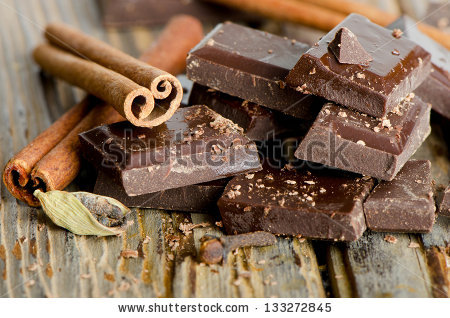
38	259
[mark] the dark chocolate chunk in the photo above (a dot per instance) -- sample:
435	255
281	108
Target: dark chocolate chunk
376	89
404	204
150	12
201	198
322	204
444	207
196	145
347	49
356	142
251	64
259	123
435	89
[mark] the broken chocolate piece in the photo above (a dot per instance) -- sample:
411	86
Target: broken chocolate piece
196	145
380	86
347	49
322	204
200	198
435	89
444	207
259	123
352	141
404	204
251	64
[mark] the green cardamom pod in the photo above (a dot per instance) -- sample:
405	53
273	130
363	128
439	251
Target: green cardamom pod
84	213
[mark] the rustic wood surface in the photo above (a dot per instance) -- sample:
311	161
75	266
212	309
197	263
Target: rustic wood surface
38	259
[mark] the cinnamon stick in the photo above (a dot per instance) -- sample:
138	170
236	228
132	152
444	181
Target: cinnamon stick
289	10
132	101
163	86
167	56
16	175
324	14
29	170
61	165
377	16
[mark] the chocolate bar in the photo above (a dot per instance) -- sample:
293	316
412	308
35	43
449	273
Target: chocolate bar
375	87
436	88
200	198
196	145
356	142
259	123
404	204
444	207
153	12
321	204
251	64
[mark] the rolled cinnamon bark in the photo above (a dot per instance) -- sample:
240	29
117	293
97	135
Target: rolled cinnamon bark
60	167
378	16
165	87
324	14
16	175
131	100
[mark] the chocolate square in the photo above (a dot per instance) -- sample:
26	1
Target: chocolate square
398	67
196	145
404	204
356	142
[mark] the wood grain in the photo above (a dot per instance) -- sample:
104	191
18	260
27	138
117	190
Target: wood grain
38	259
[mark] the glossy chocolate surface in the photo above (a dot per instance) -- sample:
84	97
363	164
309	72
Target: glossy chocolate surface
404	204
196	145
397	68
356	142
323	204
200	198
436	88
251	64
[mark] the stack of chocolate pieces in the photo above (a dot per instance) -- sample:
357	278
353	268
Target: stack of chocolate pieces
370	123
348	99
175	166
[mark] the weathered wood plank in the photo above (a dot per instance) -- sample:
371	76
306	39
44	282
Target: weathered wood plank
437	242
38	259
364	264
